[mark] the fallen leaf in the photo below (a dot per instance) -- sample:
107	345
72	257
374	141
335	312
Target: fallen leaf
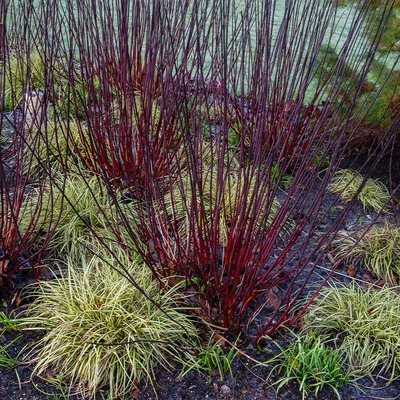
391	280
45	273
368	278
272	301
351	272
219	339
17	300
135	393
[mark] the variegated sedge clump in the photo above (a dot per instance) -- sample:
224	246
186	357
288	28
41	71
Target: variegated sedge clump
78	210
56	147
101	331
346	182
365	323
377	250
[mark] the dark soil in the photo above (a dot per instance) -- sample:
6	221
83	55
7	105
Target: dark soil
247	380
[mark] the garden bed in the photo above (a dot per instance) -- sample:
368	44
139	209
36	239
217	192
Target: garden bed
246	379
176	228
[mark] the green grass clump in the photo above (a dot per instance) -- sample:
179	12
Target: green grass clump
364	322
311	363
8	324
104	333
6	361
346	182
211	357
380	93
382	111
378	251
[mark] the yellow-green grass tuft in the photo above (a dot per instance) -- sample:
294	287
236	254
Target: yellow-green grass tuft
102	332
55	147
365	324
346	183
378	251
79	210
